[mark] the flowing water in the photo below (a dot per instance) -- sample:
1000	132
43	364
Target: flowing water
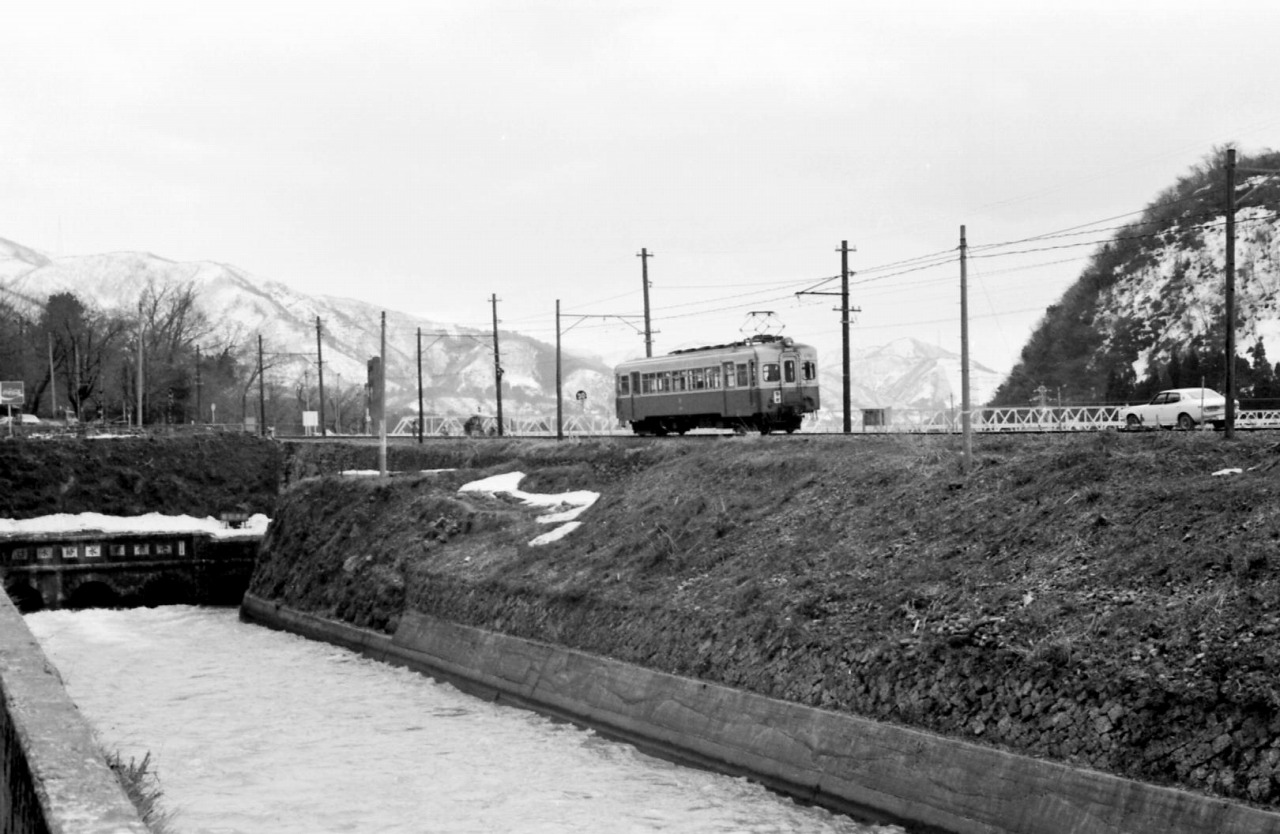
251	730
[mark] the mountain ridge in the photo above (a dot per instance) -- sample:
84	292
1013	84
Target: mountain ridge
458	371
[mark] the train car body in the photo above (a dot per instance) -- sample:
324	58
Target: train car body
766	383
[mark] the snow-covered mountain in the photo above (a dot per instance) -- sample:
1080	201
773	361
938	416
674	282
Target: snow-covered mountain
458	369
905	373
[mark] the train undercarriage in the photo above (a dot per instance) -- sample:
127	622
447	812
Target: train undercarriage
680	424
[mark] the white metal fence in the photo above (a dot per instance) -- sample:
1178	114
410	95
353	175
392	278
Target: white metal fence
886	421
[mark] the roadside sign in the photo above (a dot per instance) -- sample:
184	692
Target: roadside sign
11	392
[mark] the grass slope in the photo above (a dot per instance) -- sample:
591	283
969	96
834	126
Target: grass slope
1103	600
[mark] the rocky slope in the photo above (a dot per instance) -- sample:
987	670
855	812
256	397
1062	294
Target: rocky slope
1104	600
1148	312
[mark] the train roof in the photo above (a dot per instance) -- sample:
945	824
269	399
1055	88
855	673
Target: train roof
693	354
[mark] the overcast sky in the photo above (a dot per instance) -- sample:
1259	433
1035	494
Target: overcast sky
423	156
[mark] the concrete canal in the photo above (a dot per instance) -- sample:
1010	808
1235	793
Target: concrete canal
253	730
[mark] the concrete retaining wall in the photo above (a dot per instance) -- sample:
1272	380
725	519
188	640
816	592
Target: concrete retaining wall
53	778
873	770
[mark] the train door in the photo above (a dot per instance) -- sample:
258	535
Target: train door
728	384
790	382
628	386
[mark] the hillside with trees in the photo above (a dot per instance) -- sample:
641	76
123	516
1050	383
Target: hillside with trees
82	361
1147	312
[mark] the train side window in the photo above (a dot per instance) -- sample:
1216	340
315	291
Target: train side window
789	370
664	381
729	378
624	384
677	381
771	373
635	382
697	379
746	374
713	377
646	384
810	370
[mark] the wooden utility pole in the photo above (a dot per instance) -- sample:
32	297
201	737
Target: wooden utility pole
320	374
845	312
421	416
1230	300
644	257
140	376
262	394
846	369
53	385
966	426
75	380
497	362
199	404
559	393
382	400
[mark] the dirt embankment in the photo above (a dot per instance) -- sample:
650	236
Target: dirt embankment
1102	600
198	475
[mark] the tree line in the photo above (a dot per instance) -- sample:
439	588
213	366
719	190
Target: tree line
78	362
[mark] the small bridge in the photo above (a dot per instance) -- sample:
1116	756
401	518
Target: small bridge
92	569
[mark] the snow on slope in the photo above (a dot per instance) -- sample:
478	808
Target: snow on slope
1179	292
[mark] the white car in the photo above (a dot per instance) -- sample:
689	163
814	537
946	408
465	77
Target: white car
1184	408
21	419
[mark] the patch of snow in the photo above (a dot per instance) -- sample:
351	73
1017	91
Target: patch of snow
1227	472
508	483
115	524
556	534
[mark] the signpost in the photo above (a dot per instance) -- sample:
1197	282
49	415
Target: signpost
10	393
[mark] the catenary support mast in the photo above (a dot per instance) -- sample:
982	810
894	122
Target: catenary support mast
966	423
644	257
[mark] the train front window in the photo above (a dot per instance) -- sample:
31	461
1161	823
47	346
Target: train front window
810	370
771	372
624	384
789	370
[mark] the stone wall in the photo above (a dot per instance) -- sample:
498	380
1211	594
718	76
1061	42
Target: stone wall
55	779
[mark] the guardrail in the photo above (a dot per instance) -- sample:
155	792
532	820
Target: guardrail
888	421
995	420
